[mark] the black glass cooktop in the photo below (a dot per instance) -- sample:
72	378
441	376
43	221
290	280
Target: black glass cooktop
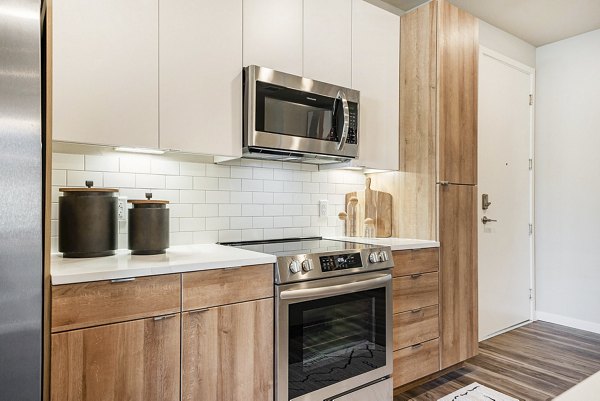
297	246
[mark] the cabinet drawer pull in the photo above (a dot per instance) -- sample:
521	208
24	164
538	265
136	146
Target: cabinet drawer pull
417	346
416	310
158	318
416	276
193	312
232	268
122	280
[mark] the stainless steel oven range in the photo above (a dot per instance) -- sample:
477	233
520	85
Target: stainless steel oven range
333	319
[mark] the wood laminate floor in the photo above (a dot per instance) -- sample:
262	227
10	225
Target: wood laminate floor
536	362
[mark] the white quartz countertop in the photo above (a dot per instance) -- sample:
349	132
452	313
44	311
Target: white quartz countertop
397	244
177	259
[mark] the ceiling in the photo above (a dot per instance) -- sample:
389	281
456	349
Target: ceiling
537	22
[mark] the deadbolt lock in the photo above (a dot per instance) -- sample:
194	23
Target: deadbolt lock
485	203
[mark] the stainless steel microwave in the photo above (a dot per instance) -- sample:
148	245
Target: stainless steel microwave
291	118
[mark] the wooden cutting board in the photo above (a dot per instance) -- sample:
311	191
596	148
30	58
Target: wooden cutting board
376	205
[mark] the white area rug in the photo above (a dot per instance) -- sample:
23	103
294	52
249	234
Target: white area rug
477	392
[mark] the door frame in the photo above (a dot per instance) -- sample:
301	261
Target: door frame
486	52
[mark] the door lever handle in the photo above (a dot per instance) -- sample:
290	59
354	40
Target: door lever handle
486	220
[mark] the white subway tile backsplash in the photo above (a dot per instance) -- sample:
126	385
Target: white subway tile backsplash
230	184
119	180
252	185
166	167
262	197
252	210
179	182
101	163
216	170
134	164
193	169
217	223
263	174
241	172
64	161
192	196
206	210
217	197
59	177
241	223
78	178
150	181
192	224
230	210
207	183
239	200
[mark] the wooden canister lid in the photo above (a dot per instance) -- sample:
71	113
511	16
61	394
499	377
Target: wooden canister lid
148	201
89	188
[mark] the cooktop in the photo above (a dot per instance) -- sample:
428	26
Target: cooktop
297	246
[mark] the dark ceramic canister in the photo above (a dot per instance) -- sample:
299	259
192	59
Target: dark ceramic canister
148	226
87	222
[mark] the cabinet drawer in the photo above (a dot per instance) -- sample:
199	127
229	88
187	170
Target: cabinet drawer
210	288
415	362
416	261
414	327
415	292
80	305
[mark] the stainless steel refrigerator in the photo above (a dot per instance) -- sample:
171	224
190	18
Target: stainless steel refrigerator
21	206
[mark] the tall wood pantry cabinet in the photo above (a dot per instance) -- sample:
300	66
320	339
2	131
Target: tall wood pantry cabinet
438	120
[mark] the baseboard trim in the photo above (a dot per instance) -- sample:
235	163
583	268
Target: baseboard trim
568	321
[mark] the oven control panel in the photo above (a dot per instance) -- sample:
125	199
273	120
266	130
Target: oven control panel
340	262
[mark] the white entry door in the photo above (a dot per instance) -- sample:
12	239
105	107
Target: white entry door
505	146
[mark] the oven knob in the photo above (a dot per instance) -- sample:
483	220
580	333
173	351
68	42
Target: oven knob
294	266
373	257
383	256
307	265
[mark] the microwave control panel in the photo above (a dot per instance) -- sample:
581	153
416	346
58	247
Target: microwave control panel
353	129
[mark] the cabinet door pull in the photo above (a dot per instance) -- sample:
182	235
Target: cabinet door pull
416	310
193	312
158	318
232	268
417	346
416	276
122	280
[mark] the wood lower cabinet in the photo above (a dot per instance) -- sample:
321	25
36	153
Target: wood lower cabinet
416	314
458	275
133	361
227	352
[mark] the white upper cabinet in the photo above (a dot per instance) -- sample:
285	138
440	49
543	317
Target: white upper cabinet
328	41
273	34
105	72
200	76
376	74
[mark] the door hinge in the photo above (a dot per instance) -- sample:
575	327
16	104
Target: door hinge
531	100
531	293
530	164
530	229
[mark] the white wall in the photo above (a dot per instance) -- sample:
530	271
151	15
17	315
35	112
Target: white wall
568	181
243	200
506	44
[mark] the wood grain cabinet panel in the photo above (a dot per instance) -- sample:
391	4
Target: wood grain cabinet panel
210	288
414	362
227	353
415	292
133	361
458	60
458	289
414	327
416	261
81	305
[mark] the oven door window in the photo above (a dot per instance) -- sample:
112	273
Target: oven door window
285	111
334	339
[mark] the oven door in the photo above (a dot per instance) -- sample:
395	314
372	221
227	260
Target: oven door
333	335
287	113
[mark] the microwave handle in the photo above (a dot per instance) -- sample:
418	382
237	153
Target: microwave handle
342	96
336	289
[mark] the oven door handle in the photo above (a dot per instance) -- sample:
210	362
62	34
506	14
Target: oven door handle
336	289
